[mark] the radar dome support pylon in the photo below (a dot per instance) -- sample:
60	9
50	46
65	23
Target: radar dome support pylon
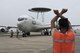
41	10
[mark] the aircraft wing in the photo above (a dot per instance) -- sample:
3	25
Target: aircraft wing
9	26
48	26
75	25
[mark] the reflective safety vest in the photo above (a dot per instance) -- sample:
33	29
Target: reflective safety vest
63	43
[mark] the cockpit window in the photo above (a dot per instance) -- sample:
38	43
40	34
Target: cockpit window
21	19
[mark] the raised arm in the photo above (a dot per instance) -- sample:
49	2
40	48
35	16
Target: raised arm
53	22
57	16
54	19
62	17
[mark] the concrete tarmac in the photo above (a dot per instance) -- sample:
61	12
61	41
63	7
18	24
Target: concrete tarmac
32	44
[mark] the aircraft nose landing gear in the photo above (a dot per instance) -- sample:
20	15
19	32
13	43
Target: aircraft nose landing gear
45	32
25	34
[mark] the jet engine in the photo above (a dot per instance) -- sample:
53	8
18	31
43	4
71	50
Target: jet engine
3	30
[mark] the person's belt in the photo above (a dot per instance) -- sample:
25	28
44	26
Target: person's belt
63	40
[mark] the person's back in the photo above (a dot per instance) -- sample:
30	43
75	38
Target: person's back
63	39
63	43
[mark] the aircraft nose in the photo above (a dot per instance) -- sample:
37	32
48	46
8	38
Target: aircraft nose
20	26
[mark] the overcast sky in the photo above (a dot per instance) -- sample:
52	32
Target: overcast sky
10	10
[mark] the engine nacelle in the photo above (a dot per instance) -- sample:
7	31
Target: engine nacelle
3	30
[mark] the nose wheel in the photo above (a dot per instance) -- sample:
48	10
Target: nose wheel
28	33
45	32
25	34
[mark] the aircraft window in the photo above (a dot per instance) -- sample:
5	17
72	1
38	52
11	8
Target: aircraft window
33	22
20	19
